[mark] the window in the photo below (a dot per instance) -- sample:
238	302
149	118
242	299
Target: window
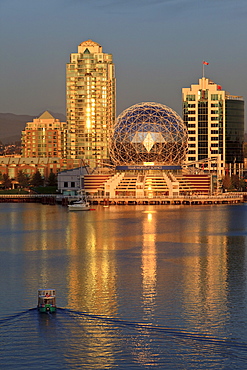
214	132
202	131
192	132
72	184
214	118
65	184
191	145
191	158
203	150
191	97
203	137
214	97
191	152
192	138
191	125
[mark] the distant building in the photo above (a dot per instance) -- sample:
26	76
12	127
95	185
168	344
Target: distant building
45	137
91	103
71	181
12	165
215	123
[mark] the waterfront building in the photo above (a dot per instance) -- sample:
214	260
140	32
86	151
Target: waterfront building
215	123
44	137
147	152
70	181
91	103
148	132
12	165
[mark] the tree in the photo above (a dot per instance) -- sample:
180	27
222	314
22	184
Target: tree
52	179
235	182
37	179
226	183
23	179
242	184
6	181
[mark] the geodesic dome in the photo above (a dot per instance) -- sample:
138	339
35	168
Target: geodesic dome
148	132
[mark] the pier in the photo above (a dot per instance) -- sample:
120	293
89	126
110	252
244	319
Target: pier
53	199
231	198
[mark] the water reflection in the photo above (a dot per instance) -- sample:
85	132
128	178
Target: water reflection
179	270
92	267
149	263
205	276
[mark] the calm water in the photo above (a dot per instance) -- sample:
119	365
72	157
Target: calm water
137	287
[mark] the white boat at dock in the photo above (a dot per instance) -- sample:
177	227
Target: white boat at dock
81	204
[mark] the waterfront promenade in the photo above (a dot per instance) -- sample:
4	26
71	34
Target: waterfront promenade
52	199
230	198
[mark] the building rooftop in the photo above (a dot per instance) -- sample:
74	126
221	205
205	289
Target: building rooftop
46	115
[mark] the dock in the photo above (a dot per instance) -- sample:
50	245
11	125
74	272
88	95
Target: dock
53	199
231	198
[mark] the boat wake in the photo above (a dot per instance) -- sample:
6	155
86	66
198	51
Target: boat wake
85	338
161	331
9	319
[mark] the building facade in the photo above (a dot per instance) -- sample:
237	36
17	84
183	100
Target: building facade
71	181
90	103
215	123
12	165
45	137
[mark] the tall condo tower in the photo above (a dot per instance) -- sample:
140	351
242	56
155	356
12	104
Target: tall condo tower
91	103
215	123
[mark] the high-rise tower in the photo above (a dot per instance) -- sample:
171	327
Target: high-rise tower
215	123
91	103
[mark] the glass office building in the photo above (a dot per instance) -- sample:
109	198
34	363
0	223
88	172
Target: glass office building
215	123
91	103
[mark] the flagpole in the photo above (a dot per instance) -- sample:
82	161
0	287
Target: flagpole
204	63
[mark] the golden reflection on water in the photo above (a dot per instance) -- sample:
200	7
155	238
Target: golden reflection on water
97	275
205	277
182	253
149	264
92	283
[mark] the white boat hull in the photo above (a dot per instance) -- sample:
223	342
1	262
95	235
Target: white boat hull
79	206
73	207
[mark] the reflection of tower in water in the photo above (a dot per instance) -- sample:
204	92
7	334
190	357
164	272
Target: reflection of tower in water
149	263
92	279
92	271
205	271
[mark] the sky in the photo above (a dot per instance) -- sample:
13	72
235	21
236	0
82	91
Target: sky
157	45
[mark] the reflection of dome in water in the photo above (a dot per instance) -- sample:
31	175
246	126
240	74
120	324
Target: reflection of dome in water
148	132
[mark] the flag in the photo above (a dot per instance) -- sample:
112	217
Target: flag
206	63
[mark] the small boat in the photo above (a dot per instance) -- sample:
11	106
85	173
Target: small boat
47	300
79	205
